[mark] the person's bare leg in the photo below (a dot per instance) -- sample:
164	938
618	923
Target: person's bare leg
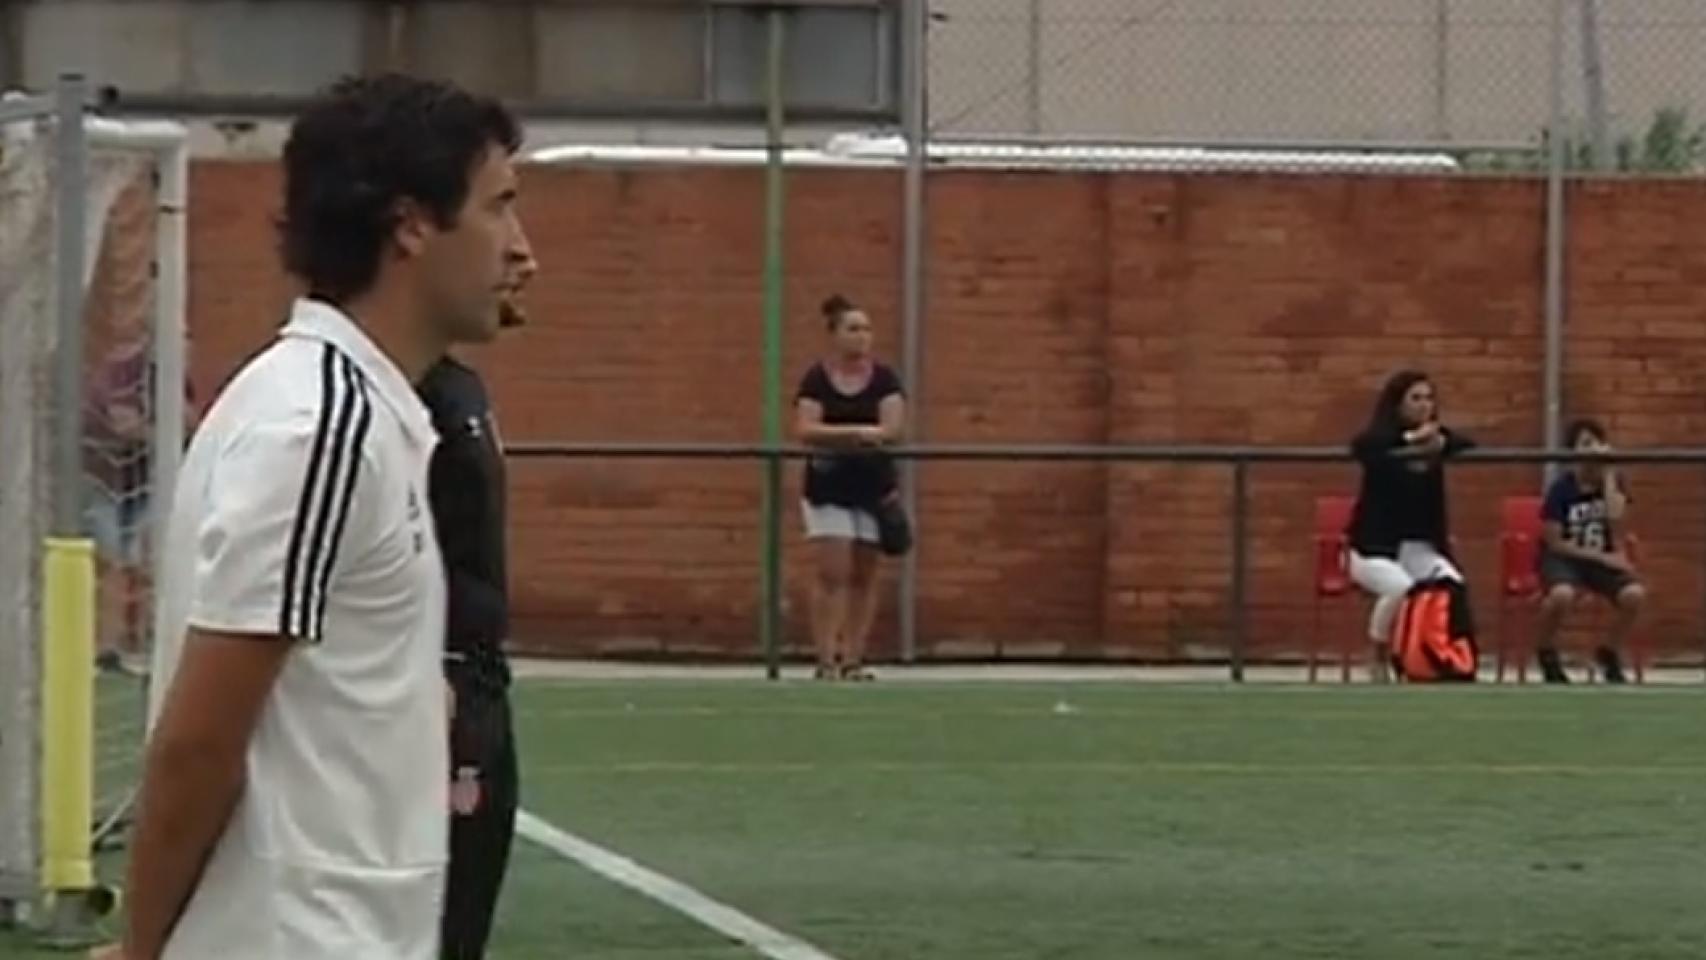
830	600
135	586
1556	604
1380	662
1380	623
864	600
1629	603
110	612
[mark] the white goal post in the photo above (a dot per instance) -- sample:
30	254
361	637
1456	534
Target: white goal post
62	169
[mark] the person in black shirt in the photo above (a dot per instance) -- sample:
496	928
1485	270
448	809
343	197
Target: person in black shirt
466	487
848	407
1582	514
1398	533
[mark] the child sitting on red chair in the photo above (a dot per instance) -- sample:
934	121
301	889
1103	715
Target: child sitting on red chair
1583	550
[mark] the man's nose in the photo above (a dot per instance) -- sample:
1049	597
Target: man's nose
521	255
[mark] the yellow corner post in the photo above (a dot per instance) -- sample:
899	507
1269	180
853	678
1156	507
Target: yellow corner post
68	715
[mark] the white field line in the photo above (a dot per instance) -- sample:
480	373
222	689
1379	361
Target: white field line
726	920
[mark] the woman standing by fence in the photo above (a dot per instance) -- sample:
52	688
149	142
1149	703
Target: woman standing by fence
848	407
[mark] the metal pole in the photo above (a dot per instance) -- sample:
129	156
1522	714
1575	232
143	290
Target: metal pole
171	241
1442	69
68	567
1079	453
1593	75
71	159
1553	374
1240	567
151	104
770	620
20	109
915	117
1034	69
1278	144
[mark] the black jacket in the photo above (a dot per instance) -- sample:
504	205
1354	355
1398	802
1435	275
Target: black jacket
1396	501
466	488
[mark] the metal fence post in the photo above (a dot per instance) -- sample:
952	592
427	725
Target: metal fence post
1034	68
68	570
1442	70
916	119
1593	76
770	587
1553	375
71	158
1240	566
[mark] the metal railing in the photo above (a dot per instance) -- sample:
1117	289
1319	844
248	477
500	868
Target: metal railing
1238	459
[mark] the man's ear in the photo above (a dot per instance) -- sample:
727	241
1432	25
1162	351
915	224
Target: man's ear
411	225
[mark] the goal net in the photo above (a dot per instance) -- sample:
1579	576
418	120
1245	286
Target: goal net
129	430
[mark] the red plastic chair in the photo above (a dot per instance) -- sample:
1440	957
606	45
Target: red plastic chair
1332	575
1519	577
1521	534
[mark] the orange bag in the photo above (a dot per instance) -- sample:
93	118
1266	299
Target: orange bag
1433	638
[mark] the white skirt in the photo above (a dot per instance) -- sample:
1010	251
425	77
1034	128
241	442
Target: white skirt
827	521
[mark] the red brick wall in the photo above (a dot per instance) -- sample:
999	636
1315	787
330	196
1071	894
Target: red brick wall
1062	308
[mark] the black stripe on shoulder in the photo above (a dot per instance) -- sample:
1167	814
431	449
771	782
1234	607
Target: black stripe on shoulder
343	459
357	384
293	615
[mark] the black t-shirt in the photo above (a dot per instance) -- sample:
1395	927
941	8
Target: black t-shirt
858	479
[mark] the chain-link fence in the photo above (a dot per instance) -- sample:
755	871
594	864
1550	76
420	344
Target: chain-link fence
1637	96
1470	78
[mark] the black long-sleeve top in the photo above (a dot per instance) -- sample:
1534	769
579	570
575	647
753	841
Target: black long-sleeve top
466	489
1401	497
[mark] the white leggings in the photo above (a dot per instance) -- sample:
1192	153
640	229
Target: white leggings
1389	580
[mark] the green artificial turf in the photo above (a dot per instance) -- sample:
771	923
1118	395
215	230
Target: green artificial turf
1099	821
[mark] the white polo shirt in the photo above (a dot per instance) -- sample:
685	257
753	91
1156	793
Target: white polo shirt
301	513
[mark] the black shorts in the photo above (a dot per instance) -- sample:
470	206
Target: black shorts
1584	575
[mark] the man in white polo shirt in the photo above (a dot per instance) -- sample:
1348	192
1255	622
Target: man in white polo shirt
293	803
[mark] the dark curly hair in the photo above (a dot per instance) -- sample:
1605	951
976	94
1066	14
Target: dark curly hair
366	144
835	309
1387	406
1585	427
